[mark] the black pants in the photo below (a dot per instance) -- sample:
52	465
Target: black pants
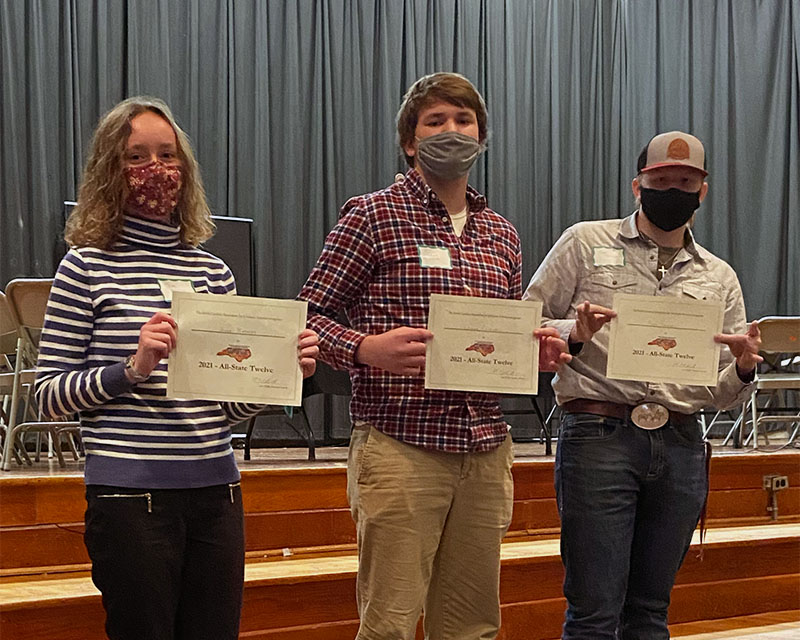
169	562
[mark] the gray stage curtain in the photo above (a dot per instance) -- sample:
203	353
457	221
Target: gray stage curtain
291	104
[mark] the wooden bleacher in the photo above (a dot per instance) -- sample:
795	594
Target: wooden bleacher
300	574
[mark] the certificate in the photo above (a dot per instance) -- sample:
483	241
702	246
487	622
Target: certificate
236	348
482	344
664	339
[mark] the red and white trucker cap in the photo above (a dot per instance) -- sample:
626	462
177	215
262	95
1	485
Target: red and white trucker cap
673	149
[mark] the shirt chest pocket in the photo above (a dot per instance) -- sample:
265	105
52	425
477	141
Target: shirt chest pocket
704	291
401	271
411	258
602	286
487	267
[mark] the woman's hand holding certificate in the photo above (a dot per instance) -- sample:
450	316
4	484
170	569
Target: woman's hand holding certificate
236	348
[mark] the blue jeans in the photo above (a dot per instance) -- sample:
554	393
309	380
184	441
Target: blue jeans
629	501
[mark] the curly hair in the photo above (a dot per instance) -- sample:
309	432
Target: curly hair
447	87
97	219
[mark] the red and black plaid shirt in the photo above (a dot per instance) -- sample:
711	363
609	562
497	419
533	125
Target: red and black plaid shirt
370	269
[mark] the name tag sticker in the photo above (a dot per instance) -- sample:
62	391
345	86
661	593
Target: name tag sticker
168	286
434	257
608	257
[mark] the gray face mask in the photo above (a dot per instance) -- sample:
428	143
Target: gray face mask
448	155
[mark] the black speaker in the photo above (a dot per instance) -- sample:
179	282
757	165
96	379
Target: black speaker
233	242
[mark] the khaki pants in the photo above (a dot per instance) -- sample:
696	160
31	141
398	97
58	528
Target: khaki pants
429	528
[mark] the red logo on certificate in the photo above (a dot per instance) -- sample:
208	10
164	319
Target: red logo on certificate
665	343
237	353
484	348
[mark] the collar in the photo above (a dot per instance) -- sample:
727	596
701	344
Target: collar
138	231
629	230
417	187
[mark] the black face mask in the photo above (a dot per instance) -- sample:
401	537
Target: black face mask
669	209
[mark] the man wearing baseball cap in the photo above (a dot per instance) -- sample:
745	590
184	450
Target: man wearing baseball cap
630	468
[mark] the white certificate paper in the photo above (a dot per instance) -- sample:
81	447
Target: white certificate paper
664	339
482	344
236	348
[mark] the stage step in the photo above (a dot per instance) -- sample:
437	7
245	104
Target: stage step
783	625
745	571
305	509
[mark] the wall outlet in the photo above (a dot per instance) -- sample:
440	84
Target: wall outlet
774	482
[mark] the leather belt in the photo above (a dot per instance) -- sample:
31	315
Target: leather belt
621	411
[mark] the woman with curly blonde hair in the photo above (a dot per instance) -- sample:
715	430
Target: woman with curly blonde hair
97	219
164	518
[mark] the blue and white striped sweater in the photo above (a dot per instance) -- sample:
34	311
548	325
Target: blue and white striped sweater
134	435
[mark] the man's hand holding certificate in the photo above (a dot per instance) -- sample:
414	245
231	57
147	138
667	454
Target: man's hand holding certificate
482	344
235	348
664	339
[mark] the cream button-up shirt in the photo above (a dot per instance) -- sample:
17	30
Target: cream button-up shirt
593	261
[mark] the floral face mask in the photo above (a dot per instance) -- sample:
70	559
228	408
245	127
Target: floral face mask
153	190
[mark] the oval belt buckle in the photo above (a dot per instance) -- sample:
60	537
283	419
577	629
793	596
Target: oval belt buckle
649	415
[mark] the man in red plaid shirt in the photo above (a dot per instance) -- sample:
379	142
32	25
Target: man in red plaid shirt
429	471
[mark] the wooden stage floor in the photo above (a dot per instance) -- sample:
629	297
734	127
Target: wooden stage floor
296	458
747	587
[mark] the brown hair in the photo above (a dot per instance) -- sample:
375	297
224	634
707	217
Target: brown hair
447	87
97	219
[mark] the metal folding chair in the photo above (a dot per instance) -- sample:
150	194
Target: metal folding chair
26	301
776	393
8	351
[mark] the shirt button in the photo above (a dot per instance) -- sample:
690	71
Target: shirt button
444	218
652	392
652	257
